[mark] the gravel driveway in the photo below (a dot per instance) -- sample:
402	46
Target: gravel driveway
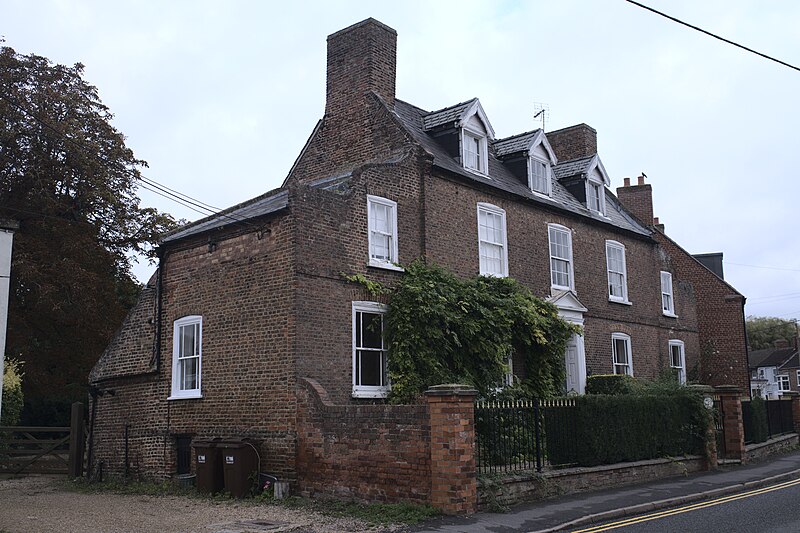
42	505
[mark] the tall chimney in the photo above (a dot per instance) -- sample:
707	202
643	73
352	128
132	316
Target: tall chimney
361	58
574	142
637	199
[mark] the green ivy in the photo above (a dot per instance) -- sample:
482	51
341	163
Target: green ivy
441	328
12	393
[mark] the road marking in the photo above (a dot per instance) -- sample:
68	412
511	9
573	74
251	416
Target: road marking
687	508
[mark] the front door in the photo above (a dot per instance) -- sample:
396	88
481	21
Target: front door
573	367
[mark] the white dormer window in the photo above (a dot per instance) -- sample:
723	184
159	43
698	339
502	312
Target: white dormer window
539	176
474	151
595	197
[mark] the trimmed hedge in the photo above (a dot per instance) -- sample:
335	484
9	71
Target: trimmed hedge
610	384
608	429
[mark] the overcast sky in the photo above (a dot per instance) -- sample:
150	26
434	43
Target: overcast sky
219	98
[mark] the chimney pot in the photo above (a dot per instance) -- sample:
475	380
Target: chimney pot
640	180
627	182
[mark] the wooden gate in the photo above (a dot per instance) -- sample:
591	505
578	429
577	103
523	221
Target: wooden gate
44	450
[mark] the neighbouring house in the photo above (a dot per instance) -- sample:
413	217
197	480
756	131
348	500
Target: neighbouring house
775	371
248	322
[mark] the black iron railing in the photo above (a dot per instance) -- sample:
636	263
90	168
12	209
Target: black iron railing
765	419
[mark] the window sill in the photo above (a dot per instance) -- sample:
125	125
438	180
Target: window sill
621	302
493	275
386	266
375	392
477	172
670	315
559	288
192	396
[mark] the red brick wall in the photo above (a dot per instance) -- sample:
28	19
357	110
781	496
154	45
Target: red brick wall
452	240
720	317
244	291
638	200
367	452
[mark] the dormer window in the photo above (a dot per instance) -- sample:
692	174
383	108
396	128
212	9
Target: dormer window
539	174
594	197
595	191
474	151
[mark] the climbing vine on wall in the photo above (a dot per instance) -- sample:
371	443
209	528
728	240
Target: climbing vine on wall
441	328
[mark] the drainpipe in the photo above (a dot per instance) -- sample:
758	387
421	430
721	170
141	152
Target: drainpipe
7	228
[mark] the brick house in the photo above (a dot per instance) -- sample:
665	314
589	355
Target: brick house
249	316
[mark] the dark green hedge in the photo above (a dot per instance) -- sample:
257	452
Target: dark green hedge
610	384
608	429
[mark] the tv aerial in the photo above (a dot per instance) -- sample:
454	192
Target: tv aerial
541	112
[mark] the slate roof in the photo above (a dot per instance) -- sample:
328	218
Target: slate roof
262	205
770	357
413	119
446	116
793	362
515	143
574	167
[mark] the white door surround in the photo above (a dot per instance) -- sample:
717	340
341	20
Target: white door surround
571	310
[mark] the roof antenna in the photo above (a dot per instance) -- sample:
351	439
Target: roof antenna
541	112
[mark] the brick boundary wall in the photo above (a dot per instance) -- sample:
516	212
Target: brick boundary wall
731	399
361	452
515	488
421	453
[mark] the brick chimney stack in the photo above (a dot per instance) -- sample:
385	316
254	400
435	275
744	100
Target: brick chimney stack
574	142
361	58
637	199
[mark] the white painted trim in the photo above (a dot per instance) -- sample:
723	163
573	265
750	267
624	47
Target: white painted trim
394	259
366	391
178	394
624	298
476	109
548	172
576	317
493	209
484	155
541	138
571	286
627	339
667	312
682	368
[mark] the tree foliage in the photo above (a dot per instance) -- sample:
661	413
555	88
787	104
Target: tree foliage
763	331
444	329
12	393
67	176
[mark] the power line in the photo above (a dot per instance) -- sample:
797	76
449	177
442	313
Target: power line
764	267
723	39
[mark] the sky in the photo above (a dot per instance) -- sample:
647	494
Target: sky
220	97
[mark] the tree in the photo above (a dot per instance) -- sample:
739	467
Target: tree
68	177
762	331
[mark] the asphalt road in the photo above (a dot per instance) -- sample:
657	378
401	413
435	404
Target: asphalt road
765	510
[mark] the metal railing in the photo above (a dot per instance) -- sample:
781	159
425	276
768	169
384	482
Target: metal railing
763	420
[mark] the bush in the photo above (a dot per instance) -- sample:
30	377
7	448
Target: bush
608	429
12	393
610	384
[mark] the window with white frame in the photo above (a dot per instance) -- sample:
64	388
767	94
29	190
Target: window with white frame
617	272
783	383
621	354
492	249
474	151
677	360
595	197
667	301
798	378
539	175
187	353
382	231
561	273
370	374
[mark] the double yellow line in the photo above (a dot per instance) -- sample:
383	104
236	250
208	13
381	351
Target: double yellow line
688	508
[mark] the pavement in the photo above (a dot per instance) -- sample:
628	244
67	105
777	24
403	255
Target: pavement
570	512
